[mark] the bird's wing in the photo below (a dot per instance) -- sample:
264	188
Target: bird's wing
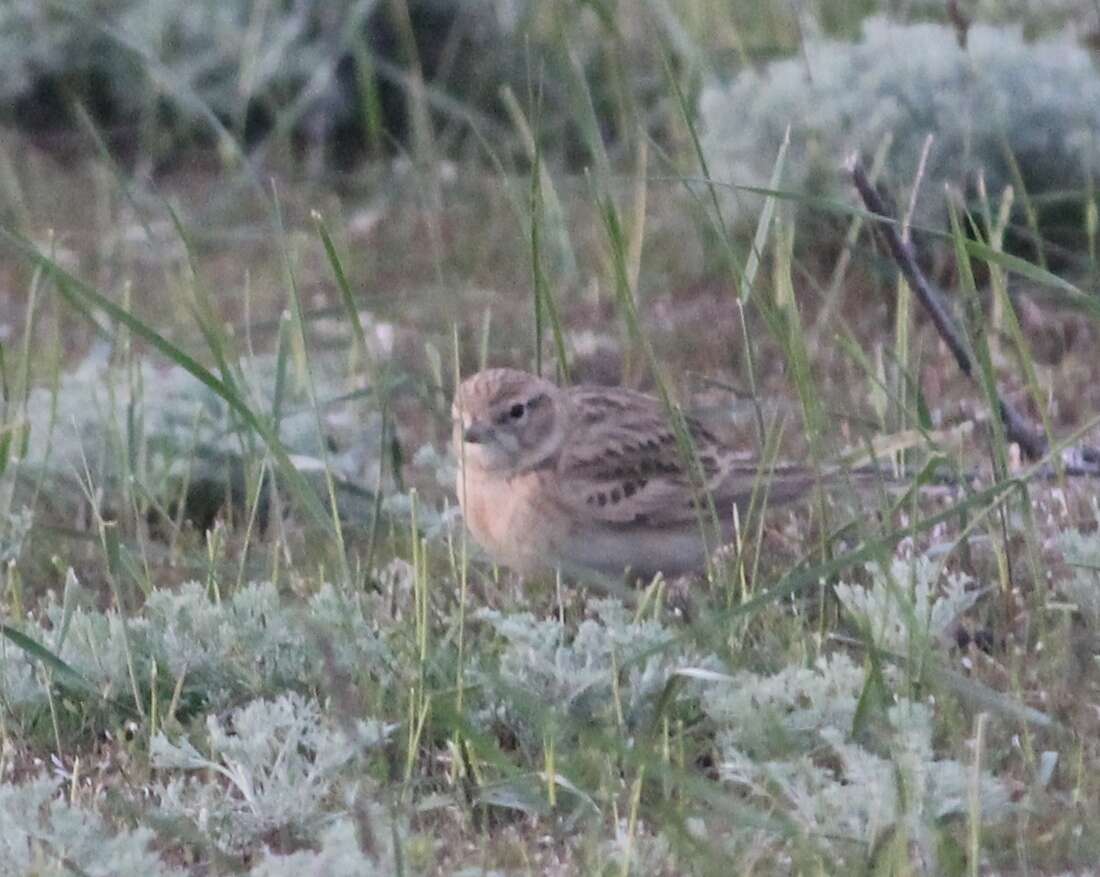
623	464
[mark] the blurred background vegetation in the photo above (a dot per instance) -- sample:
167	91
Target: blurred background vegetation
310	87
250	242
360	109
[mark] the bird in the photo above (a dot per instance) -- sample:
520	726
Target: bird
598	479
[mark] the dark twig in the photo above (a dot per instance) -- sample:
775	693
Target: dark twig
1080	460
960	21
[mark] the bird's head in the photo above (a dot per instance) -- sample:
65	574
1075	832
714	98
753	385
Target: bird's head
507	421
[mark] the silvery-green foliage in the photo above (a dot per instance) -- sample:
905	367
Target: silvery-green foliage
216	53
907	81
12	536
42	834
611	656
643	852
1046	15
22	681
215	64
836	791
339	853
280	760
255	640
94	645
349	621
1082	553
249	633
909	605
166	428
248	643
764	714
19	686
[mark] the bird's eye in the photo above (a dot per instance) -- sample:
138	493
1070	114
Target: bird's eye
516	411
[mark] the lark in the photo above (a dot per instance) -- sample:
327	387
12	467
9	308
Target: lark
589	478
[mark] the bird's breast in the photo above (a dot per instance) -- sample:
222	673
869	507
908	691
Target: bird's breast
514	519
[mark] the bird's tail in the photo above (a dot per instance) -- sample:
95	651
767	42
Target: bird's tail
760	484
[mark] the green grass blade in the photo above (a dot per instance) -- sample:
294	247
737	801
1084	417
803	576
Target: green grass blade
347	297
334	525
64	671
85	299
764	222
44	656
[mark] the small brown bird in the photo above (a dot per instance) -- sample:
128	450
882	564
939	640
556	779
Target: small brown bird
595	478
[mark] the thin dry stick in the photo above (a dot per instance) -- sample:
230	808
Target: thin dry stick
922	166
1082	460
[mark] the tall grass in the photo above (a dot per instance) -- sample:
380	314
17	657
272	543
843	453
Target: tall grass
341	691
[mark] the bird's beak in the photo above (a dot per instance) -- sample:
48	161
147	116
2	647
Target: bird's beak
476	433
